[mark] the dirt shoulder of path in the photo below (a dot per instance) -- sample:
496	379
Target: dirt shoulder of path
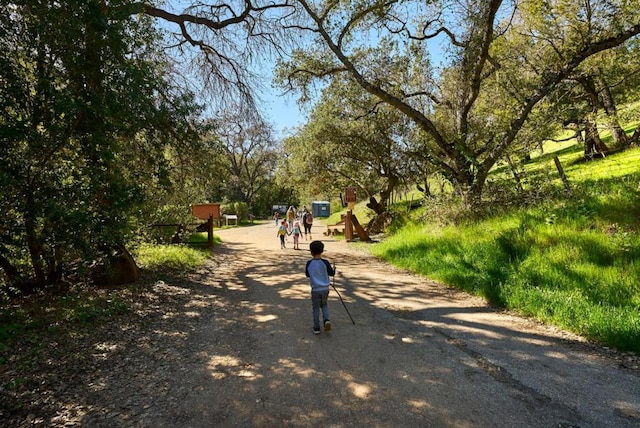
231	344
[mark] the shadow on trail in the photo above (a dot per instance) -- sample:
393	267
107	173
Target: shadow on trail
232	345
413	341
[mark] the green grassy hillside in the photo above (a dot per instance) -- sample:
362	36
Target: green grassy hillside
569	260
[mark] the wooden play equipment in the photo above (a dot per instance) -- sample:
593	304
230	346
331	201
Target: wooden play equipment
347	225
338	228
348	222
351	223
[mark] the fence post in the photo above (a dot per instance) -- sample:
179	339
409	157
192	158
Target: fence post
565	181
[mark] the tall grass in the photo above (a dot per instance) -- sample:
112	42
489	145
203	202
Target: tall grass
149	256
573	262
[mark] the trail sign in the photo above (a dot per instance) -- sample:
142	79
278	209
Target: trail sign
350	194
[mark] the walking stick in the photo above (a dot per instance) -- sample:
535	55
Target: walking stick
333	279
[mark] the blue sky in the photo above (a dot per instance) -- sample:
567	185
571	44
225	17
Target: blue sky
278	109
282	111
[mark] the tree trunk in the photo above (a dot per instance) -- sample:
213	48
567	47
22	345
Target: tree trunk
579	138
593	145
635	138
619	136
35	253
385	195
9	270
376	206
516	174
426	189
54	266
33	244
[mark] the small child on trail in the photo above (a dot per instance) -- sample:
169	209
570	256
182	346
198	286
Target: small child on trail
318	270
307	220
296	235
282	233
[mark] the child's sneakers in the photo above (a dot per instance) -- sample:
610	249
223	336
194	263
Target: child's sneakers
327	325
316	330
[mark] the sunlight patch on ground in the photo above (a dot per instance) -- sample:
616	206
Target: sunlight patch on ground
258	307
246	373
222	366
360	390
106	347
198	302
170	290
293	367
536	341
293	293
628	410
236	286
261	278
192	314
170	315
98	386
405	339
407	306
164	333
265	318
555	354
419	404
223	361
475	324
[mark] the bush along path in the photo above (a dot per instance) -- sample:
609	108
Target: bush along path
231	345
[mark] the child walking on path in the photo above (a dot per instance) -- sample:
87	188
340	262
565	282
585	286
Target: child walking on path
318	270
282	233
296	235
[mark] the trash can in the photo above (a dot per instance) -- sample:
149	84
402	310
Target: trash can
320	208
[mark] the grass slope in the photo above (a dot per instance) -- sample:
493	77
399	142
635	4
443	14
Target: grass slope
572	261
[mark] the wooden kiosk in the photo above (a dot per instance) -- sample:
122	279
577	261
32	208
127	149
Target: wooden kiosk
210	213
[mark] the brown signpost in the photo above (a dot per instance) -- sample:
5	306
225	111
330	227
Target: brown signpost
204	211
350	194
348	227
208	212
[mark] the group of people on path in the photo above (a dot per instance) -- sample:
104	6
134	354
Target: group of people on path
293	224
317	269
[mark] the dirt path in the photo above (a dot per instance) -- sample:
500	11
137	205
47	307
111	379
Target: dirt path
236	349
418	355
